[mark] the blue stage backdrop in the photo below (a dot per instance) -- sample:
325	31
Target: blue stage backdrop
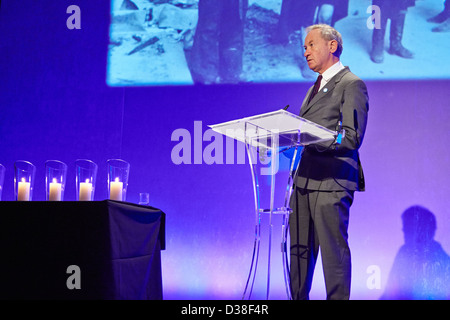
121	79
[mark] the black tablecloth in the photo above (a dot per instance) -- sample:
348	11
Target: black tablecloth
115	245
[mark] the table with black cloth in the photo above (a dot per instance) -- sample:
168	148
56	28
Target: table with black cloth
115	245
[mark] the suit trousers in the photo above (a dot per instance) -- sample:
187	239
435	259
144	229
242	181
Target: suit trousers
320	220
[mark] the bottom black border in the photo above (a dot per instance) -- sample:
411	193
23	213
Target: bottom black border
222	309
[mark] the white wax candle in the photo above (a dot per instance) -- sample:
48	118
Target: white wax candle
54	193
85	193
23	191
115	190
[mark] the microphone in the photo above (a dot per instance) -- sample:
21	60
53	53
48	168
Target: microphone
285	108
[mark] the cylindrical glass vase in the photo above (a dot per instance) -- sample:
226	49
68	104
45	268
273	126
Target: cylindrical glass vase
24	173
86	177
55	180
118	172
2	179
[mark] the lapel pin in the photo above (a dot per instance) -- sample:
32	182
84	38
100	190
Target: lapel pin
325	90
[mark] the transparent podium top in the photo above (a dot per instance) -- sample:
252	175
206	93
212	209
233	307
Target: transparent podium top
288	128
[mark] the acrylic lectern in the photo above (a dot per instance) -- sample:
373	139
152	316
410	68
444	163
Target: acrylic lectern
274	142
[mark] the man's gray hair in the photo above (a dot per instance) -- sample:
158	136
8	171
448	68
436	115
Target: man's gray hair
329	33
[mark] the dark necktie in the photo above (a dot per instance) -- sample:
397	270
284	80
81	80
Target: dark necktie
316	88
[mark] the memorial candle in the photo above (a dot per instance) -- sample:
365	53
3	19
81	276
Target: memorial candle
85	191
54	193
23	191
115	190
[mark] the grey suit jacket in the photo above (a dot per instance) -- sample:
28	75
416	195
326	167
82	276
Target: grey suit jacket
331	166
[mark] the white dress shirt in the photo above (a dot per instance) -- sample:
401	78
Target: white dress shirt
330	73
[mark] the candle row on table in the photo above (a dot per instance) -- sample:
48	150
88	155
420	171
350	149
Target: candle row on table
55	179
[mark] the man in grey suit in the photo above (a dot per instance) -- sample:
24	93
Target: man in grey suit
330	173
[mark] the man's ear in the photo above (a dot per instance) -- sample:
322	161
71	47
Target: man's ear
333	46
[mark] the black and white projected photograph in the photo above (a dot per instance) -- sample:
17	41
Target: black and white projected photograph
183	42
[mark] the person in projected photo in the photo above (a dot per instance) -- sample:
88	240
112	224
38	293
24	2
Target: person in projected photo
328	174
395	11
217	53
296	15
443	18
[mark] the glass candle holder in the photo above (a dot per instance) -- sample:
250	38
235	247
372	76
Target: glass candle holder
144	198
118	172
55	180
2	179
86	177
24	173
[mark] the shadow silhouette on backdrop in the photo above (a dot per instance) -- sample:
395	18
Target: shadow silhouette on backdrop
421	269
